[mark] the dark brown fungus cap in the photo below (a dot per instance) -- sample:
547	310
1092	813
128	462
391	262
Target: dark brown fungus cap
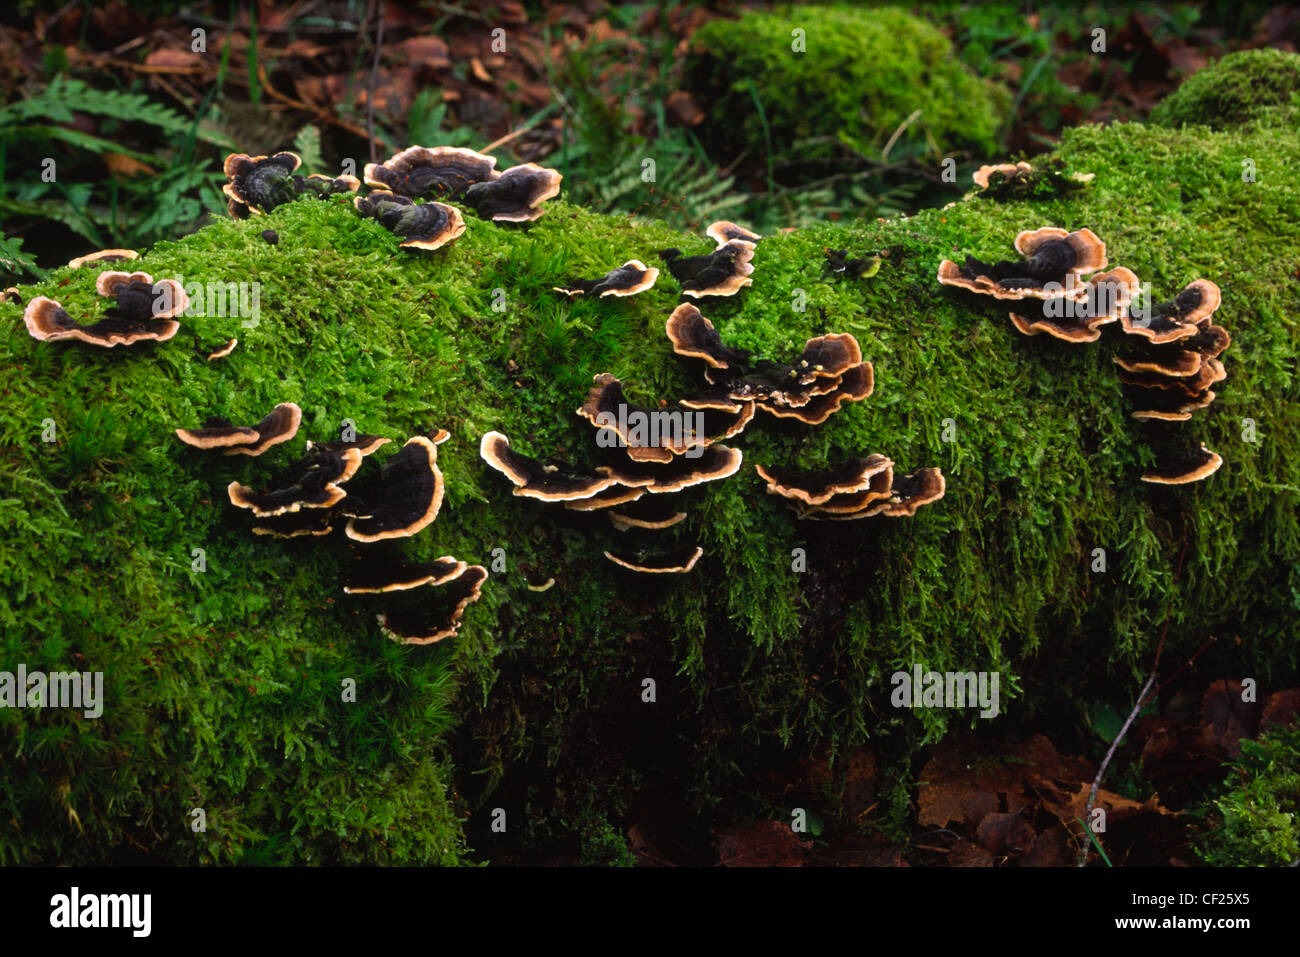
1053	264
140	298
695	336
723	272
910	492
676	562
419	225
716	462
1185	467
1007	170
1182	362
723	232
373	575
312	482
818	486
438	612
236	209
1170	405
103	257
48	321
1209	372
1105	300
13	296
827	356
321	186
533	478
627	280
364	443
313	522
855	385
224	351
852	505
651	513
261	182
280	425
443	172
608	498
516	195
410	494
1178	318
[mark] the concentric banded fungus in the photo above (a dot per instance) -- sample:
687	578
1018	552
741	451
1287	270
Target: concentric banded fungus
516	195
717	462
818	486
1171	405
372	576
1179	317
675	562
103	257
13	296
140	298
443	172
535	479
312	482
1184	362
723	232
855	385
237	210
852	505
627	280
280	425
1053	264
910	492
610	497
261	183
723	272
409	496
310	522
439	611
48	321
1185	467
224	351
363	443
693	335
1005	170
1209	372
656	435
652	514
1105	300
420	225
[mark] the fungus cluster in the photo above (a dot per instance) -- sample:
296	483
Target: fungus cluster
258	184
1052	263
1022	180
724	271
632	277
142	311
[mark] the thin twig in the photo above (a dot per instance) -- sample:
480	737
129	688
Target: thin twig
370	89
884	154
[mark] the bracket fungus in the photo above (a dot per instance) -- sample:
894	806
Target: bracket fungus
694	336
407	496
716	462
314	522
419	225
279	425
626	280
104	256
312	482
723	232
441	172
48	321
261	183
723	272
363	442
437	612
1006	171
1180	317
1054	262
1105	300
651	514
819	486
910	492
533	478
1184	467
515	195
374	575
224	351
676	562
854	385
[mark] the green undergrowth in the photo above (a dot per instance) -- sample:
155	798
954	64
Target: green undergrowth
1254	819
1241	87
224	686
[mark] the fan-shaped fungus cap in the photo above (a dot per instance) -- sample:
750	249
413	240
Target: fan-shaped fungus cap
48	321
855	385
1185	467
1006	170
676	562
224	351
280	425
439	612
1053	264
1209	372
139	297
306	522
420	225
1106	297
910	492
1179	317
261	182
364	443
535	479
236	209
312	482
723	272
608	498
656	435
103	257
852	505
723	232
1183	362
516	195
650	513
1171	405
717	462
410	494
375	575
13	296
443	172
626	280
818	486
695	336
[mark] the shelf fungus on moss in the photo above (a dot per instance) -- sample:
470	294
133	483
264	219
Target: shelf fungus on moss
48	321
311	522
1053	265
1106	299
12	296
312	482
372	575
440	172
1179	318
626	280
533	478
279	425
1167	405
723	232
675	562
1006	171
851	505
652	514
261	183
1184	467
695	337
224	351
723	272
818	486
716	462
516	195
910	492
103	257
419	225
1207	374
139	298
362	442
855	385
607	498
407	497
437	612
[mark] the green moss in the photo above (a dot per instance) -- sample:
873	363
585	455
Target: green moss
224	685
1239	88
860	76
1256	815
